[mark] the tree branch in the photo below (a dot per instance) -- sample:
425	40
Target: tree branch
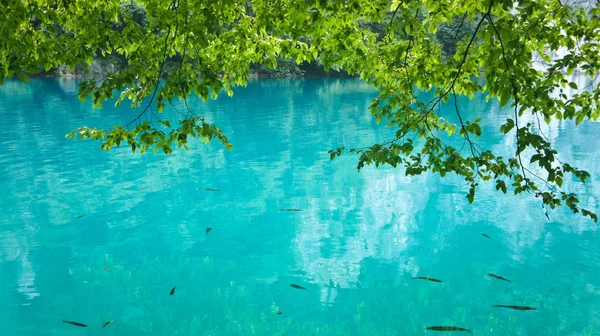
161	67
515	96
451	87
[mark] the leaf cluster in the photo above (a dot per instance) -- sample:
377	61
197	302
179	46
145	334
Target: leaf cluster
443	47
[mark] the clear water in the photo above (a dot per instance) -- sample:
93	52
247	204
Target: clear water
144	218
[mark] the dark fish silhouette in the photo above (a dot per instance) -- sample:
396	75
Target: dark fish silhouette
297	286
498	277
279	313
209	189
107	323
515	307
428	279
486	236
106	268
447	328
76	324
79	216
208	230
291	209
172	291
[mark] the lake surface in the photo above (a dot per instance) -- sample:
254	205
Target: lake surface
91	236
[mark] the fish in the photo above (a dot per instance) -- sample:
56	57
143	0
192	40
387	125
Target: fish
172	291
486	236
106	268
448	328
291	209
208	230
76	324
79	216
498	277
209	189
279	313
297	286
428	279
107	323
514	307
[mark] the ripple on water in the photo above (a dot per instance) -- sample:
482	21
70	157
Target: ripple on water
70	210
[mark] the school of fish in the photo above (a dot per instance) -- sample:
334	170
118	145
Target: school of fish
331	285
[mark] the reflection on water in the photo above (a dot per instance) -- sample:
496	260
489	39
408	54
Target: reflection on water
355	246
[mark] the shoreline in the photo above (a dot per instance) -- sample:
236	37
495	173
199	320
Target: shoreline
252	76
102	71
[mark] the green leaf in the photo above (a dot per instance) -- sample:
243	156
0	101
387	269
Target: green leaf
22	76
500	185
471	194
416	55
508	126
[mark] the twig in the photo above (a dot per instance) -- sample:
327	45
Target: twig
462	21
451	87
540	126
394	14
462	125
160	70
515	96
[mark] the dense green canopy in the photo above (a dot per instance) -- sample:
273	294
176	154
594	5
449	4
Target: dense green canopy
210	47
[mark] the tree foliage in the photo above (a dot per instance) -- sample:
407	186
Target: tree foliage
397	46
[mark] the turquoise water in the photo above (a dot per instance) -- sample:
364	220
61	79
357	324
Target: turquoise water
144	218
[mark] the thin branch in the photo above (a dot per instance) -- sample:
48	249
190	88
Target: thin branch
462	21
451	87
394	15
548	185
458	30
515	96
160	70
140	45
170	103
462	125
537	117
